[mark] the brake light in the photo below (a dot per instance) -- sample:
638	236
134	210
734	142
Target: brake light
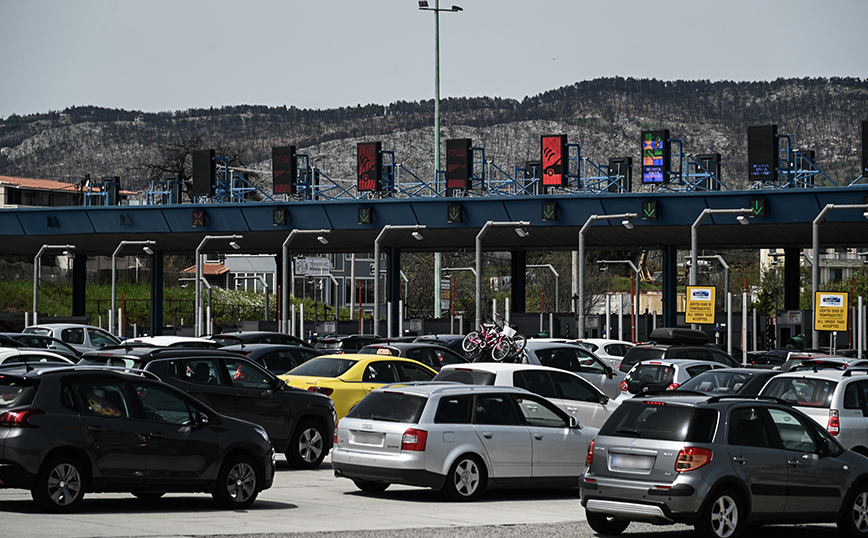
691	458
19	418
322	390
834	425
673	386
623	386
336	432
414	440
589	458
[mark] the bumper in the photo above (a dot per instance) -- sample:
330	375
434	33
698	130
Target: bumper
15	476
648	503
390	475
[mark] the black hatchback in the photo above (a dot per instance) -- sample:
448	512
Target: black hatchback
299	423
68	430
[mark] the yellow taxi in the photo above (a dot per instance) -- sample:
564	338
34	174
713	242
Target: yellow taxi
347	378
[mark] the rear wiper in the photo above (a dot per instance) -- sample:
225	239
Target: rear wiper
386	419
631	432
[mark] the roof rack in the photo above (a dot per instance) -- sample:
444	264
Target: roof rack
858	369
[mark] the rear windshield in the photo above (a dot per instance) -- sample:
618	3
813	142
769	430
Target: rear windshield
390	407
467	377
661	420
15	392
639	354
657	374
320	367
801	391
226	340
110	361
328	344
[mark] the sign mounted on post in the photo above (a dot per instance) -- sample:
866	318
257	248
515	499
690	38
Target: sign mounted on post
700	305
831	313
553	159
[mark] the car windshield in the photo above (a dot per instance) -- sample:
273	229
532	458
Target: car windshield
466	376
801	391
661	420
324	367
15	392
390	407
718	381
328	344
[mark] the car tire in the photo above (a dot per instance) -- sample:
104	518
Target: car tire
237	483
854	517
60	484
606	524
465	480
723	516
371	487
307	446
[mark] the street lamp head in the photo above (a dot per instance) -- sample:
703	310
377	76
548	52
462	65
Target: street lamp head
865	214
457	8
521	232
148	250
627	223
234	245
742	220
322	239
423	4
417	236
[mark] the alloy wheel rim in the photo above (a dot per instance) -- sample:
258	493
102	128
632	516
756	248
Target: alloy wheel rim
64	484
724	516
241	482
860	512
466	477
310	445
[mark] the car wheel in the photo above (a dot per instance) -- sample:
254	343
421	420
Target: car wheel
237	483
371	487
722	517
466	479
59	486
605	524
854	518
307	447
470	344
148	495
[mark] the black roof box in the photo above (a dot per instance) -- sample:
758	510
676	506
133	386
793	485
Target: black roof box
679	335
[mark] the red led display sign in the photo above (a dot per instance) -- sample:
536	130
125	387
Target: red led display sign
283	169
458	165
370	166
553	156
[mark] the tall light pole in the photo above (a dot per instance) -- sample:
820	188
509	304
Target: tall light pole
627	222
519	230
37	260
636	291
557	282
288	274
146	246
200	274
815	263
377	241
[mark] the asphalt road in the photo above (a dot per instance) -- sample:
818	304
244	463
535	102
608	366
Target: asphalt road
315	504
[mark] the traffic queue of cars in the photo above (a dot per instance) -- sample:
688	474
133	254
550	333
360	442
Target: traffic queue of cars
637	432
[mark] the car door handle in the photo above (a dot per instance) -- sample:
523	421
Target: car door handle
155	435
794	463
488	435
538	436
94	428
572	409
739	459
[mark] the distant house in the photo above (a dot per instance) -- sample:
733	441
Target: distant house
30	192
215	273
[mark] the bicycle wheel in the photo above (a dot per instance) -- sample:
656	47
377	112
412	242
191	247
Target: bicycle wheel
502	348
519	341
471	342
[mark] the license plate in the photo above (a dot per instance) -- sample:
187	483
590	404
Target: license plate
368	438
632	462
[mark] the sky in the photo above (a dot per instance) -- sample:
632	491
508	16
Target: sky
169	55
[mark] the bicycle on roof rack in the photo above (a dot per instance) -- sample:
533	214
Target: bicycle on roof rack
496	335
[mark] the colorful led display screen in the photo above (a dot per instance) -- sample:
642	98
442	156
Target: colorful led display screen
370	166
864	167
762	152
553	153
458	165
283	166
655	156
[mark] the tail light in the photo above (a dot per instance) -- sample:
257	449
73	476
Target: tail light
691	458
673	386
589	458
623	386
322	390
414	440
19	418
834	425
336	433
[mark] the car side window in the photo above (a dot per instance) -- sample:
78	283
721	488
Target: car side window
794	434
575	388
102	398
421	355
746	428
696	370
380	372
536	381
496	410
538	412
411	372
202	371
246	374
722	358
851	395
696	354
454	410
100	338
162	405
73	336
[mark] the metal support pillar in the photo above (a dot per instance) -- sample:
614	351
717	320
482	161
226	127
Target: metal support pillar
79	284
518	281
393	291
670	285
157	293
792	273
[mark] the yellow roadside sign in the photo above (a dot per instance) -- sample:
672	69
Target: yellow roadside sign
700	305
831	312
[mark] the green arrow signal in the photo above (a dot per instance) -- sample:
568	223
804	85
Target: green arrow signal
757	208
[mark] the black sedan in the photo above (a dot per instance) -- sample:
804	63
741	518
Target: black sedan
276	358
428	354
743	381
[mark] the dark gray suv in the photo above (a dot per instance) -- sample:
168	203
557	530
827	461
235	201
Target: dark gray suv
68	430
720	464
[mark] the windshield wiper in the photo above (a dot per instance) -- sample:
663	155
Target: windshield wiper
625	430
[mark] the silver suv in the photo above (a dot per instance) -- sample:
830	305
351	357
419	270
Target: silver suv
459	439
720	464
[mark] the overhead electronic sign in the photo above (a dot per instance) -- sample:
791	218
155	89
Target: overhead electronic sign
620	168
458	163
864	167
370	166
762	152
204	171
553	157
655	156
283	169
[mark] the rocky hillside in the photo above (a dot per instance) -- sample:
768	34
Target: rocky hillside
605	116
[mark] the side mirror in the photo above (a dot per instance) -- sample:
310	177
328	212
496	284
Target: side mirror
202	420
827	447
574	423
604	399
